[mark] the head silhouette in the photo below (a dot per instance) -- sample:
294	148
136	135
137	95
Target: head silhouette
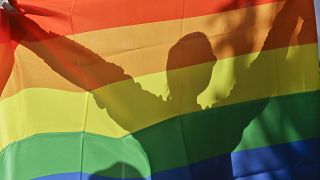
120	170
194	57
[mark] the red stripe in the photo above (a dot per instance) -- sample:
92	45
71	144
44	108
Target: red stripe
6	51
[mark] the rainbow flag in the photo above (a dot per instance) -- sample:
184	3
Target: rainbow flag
159	90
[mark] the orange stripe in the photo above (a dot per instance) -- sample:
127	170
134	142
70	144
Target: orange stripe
67	17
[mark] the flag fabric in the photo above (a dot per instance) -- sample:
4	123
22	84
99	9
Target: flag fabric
159	89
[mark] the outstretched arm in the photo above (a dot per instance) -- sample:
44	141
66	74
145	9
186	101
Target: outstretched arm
88	70
70	59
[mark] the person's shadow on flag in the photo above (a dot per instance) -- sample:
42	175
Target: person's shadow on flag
173	128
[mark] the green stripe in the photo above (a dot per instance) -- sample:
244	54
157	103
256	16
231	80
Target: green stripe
174	143
54	153
202	135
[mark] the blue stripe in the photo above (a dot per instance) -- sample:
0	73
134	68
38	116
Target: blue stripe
296	160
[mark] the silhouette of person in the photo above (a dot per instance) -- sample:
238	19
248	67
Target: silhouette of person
227	129
88	70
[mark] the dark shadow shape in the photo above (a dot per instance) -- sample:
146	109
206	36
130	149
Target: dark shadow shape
190	140
120	169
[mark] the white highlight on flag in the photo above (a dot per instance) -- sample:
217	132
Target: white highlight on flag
5	4
2	2
317	13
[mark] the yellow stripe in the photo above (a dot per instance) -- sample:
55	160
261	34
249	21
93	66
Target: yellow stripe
143	49
247	77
